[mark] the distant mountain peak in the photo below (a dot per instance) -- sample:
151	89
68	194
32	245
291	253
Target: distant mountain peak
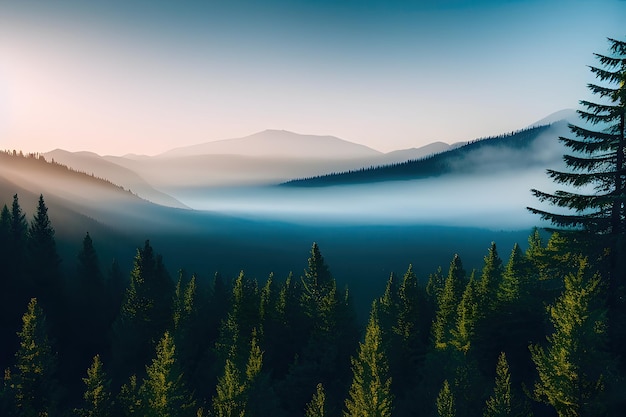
568	115
277	143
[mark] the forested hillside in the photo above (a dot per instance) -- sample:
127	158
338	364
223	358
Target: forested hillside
524	334
463	159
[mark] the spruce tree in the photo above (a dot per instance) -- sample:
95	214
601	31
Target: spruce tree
44	270
514	278
293	336
445	401
8	293
230	400
317	285
18	235
5	233
490	279
598	158
163	391
33	380
448	302
466	318
501	402
145	313
317	406
596	166
90	298
370	392
97	396
574	366
407	341
128	402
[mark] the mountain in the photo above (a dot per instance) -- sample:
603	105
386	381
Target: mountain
278	144
97	166
531	147
568	115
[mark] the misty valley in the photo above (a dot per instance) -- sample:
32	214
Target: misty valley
295	275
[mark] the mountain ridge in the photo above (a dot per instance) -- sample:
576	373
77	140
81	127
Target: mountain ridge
464	158
277	143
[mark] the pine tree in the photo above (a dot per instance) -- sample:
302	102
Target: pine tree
97	394
92	324
44	271
292	336
500	403
128	401
145	313
573	366
230	400
5	234
514	278
18	235
467	317
448	302
596	165
8	292
445	401
602	212
370	392
242	318
317	406
33	380
318	284
490	279
407	341
163	391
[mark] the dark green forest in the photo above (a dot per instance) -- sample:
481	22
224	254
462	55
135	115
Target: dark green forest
451	161
529	333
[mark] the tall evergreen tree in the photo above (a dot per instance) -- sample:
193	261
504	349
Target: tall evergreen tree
145	313
467	317
242	318
500	403
33	381
445	401
596	166
514	278
163	391
319	288
5	233
317	406
370	392
573	367
91	326
44	270
97	396
8	285
448	302
237	391
17	241
292	337
407	341
230	400
603	150
490	279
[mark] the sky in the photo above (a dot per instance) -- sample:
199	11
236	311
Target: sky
143	77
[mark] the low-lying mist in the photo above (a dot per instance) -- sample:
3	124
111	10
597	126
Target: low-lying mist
493	201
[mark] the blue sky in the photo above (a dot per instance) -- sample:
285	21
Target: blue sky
145	76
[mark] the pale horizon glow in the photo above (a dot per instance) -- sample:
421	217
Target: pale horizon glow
144	78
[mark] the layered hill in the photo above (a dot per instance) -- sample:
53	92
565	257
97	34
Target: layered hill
530	147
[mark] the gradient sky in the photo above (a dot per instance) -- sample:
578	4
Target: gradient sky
117	77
